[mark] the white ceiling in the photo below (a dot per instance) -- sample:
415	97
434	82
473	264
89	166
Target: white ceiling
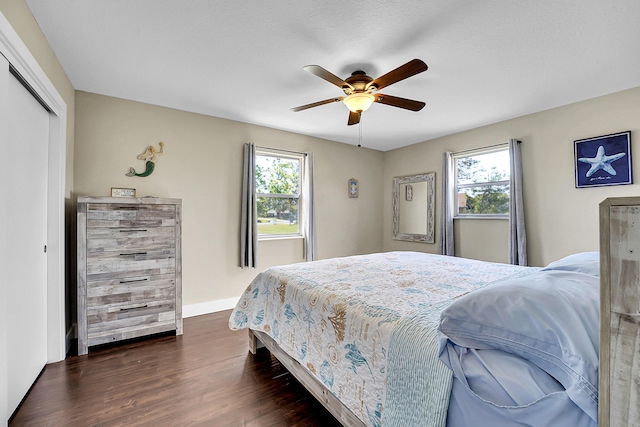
242	60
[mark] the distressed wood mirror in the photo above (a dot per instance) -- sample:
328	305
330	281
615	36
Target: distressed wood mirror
413	208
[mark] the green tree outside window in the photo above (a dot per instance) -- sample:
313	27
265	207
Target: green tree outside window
482	183
278	184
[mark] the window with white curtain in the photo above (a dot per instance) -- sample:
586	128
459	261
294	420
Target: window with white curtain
279	187
482	183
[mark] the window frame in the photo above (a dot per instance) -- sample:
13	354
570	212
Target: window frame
457	187
285	155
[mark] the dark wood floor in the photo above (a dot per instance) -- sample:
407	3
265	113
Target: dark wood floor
206	377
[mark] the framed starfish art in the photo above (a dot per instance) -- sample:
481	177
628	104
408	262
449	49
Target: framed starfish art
603	160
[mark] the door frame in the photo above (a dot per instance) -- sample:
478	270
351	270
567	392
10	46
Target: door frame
23	62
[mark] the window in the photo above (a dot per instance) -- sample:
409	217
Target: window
482	183
278	191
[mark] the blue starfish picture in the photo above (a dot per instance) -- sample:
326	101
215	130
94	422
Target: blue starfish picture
604	160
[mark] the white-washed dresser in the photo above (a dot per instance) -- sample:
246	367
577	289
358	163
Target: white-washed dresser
619	390
129	268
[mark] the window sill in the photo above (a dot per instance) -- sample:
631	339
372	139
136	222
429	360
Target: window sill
285	237
480	216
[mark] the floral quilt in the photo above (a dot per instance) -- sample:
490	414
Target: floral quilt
336	316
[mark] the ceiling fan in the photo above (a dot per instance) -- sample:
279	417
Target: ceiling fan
360	89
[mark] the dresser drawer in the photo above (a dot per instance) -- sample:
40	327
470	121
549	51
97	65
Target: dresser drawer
134	306
126	292
127	260
110	310
133	239
124	215
116	322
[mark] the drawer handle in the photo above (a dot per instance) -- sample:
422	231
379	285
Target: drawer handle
134	253
133	308
130	231
133	281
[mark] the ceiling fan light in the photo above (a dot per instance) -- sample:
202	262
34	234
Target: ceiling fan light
359	101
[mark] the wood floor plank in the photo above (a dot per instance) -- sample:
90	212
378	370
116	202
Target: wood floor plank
206	377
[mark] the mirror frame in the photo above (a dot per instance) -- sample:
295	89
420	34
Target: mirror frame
430	179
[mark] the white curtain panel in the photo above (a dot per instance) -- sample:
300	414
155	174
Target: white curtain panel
447	246
249	215
517	233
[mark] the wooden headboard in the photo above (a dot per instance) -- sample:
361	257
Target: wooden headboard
619	374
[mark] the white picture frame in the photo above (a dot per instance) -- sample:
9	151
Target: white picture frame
123	192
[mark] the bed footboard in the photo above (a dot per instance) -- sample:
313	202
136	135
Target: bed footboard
619	396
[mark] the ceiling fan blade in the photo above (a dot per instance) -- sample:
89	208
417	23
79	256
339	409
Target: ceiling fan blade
316	104
394	101
354	118
411	68
317	70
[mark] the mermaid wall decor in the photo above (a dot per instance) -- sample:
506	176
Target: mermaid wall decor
150	156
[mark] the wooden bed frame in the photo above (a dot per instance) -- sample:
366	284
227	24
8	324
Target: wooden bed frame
619	371
311	383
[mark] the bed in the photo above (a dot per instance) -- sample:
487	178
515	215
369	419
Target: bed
414	339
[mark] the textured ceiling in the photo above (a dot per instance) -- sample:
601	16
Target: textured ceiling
242	60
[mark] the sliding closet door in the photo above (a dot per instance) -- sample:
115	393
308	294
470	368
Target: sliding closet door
4	321
26	158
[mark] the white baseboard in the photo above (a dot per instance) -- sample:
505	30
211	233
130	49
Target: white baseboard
208	307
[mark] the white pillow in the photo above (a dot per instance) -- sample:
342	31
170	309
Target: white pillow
583	262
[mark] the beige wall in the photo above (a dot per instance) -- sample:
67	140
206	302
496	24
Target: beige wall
560	218
202	165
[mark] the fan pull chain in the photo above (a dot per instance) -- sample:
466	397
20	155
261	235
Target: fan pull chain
360	132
